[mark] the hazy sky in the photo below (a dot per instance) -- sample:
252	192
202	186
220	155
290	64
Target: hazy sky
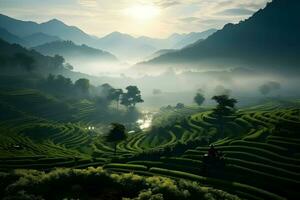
156	18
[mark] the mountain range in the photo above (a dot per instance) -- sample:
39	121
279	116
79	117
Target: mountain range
267	40
122	45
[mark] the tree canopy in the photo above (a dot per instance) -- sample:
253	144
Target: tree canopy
131	97
83	86
199	99
116	134
225	104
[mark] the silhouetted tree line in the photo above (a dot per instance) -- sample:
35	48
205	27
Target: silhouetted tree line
103	95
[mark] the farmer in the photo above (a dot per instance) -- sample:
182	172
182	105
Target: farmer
212	152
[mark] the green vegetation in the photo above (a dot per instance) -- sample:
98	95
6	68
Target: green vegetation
43	128
97	183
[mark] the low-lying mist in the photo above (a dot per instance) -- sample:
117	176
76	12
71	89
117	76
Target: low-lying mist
174	86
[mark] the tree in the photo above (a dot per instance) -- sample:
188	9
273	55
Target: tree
179	106
115	95
58	60
83	86
268	87
131	97
225	107
58	85
199	99
116	134
25	61
69	66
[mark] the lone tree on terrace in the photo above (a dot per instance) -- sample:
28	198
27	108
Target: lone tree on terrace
225	107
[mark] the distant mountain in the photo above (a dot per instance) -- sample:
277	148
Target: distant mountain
159	53
53	28
193	37
36	39
122	45
268	39
75	53
125	46
9	37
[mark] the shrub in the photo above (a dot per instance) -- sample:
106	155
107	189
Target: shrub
96	182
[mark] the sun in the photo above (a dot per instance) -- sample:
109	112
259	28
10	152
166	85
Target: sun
143	12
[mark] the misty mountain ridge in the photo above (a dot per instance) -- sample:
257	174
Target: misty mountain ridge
32	40
122	45
269	39
36	39
190	38
15	59
72	52
10	38
143	47
53	27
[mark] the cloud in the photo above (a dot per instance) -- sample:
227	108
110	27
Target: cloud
167	3
189	19
88	3
236	11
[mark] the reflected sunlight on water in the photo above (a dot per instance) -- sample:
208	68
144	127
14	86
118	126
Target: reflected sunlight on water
146	121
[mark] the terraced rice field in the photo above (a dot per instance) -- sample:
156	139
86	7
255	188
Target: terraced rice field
261	153
260	163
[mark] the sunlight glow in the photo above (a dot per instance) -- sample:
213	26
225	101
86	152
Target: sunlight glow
143	12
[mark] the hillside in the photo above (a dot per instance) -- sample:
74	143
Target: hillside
159	53
16	59
11	38
36	39
74	53
269	39
188	39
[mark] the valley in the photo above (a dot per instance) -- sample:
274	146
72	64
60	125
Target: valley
158	100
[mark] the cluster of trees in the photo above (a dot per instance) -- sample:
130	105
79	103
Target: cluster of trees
19	61
82	88
64	87
129	99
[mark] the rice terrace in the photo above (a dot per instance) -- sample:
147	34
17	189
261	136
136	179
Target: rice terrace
206	109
